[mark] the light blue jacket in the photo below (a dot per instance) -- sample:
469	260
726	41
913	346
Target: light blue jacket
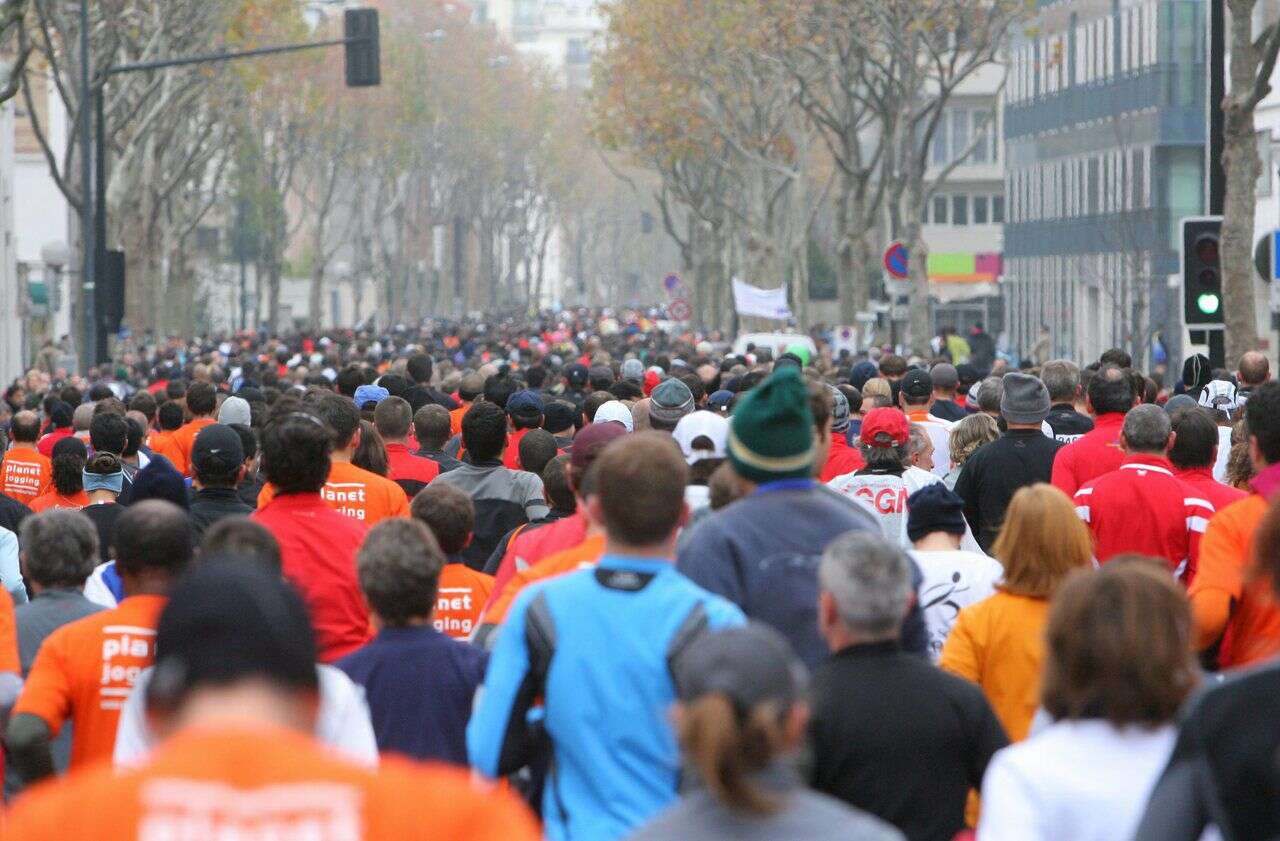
599	646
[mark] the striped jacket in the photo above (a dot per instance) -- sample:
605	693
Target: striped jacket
1143	508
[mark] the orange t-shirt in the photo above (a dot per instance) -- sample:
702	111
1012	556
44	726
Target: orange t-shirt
85	670
162	444
25	474
261	781
184	438
456	416
52	499
998	643
1252	631
9	661
356	493
462	596
585	554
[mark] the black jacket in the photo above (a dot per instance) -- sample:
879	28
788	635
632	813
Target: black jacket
1068	424
948	410
209	505
896	736
993	474
1223	770
446	461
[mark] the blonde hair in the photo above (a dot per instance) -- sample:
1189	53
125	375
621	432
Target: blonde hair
726	749
877	387
971	433
1041	542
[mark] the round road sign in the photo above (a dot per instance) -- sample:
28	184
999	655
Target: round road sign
895	260
679	310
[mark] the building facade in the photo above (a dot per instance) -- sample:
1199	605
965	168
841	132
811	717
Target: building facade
1104	128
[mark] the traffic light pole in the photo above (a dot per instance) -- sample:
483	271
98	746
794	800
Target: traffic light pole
1213	337
93	211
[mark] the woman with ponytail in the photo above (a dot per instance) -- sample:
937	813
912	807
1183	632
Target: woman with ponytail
740	721
67	488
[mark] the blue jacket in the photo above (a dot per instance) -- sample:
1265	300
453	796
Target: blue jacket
599	646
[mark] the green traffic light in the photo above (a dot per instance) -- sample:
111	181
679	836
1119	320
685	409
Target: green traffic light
1208	303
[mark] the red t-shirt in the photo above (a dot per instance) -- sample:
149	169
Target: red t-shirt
532	545
841	459
318	547
1090	456
46	442
511	457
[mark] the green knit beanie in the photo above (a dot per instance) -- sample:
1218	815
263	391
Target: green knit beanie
771	433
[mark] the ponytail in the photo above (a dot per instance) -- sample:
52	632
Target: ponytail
726	749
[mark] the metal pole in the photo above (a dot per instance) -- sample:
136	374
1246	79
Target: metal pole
1215	174
100	219
88	247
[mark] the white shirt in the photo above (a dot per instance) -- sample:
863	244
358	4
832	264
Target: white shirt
952	580
1074	781
939	432
342	722
1224	453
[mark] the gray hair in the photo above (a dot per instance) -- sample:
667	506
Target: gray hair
1062	378
989	395
1146	429
919	440
870	580
59	547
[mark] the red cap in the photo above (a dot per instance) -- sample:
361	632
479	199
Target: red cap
651	381
885	428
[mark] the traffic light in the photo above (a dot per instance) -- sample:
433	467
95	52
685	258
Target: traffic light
1202	270
364	59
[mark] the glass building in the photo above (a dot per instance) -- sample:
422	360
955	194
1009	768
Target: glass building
1104	129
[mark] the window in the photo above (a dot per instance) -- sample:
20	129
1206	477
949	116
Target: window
997	210
941	147
981	213
576	52
940	205
1092	204
960	133
960	209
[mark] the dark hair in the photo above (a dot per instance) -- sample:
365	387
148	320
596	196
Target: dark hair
70	395
109	433
448	512
137	434
820	404
153	534
853	395
695	384
1262	418
537	447
248	439
68	478
295	452
349	379
594	401
145	402
371	453
640	482
242	537
419	368
498	389
484	431
893	366
1111	390
1120	645
399	567
555	484
431	426
170	416
629	390
109	405
201	399
98	391
1117	357
1196	436
103	464
340	415
393	418
175	389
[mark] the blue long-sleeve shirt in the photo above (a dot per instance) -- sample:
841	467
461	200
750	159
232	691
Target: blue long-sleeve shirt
612	633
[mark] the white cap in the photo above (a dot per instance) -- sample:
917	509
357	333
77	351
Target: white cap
1221	395
702	424
617	412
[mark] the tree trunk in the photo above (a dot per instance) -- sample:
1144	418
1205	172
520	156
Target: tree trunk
315	298
1240	160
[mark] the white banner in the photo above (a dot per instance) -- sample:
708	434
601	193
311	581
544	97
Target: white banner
765	303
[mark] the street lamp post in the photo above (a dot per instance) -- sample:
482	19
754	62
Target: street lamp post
88	247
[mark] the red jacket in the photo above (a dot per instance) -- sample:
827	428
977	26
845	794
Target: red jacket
1206	487
511	456
841	459
410	472
1090	456
1142	508
46	442
318	547
534	544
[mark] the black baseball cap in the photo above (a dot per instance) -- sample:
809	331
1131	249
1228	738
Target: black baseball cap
217	450
750	664
917	385
227	621
557	416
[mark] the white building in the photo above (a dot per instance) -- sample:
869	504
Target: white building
964	222
12	357
561	33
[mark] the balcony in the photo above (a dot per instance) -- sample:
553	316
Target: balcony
1162	86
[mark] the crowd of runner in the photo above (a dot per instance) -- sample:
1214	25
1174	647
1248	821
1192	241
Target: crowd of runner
578	578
